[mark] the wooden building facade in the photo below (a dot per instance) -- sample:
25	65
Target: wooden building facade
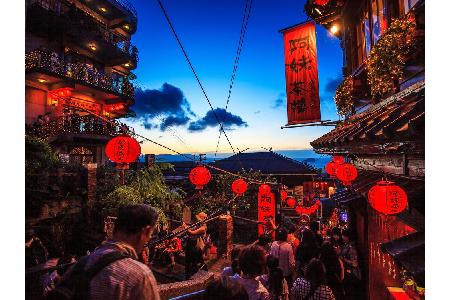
382	100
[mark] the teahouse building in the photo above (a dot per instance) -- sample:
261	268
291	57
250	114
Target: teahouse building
382	99
78	66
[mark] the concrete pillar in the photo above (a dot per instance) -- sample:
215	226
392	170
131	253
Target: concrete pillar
225	243
91	184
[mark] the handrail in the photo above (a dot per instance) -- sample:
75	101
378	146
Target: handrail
125	4
57	64
73	123
80	18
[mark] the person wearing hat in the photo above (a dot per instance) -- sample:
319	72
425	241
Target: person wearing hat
195	246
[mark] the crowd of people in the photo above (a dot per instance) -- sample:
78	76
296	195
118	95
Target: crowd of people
299	264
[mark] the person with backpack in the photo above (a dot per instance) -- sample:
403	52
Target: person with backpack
112	271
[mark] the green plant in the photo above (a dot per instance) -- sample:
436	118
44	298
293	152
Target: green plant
142	186
388	57
343	97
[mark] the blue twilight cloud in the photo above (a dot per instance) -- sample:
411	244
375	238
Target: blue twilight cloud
209	120
167	102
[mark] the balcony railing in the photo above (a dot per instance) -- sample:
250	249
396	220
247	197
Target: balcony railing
80	21
76	124
56	64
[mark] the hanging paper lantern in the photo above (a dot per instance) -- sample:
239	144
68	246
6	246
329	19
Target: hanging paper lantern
239	186
388	198
199	176
346	173
331	168
339	159
321	2
291	202
123	149
283	195
264	189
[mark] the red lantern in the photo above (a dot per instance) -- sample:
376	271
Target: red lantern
346	173
264	189
239	186
123	149
339	159
387	198
321	2
291	202
331	168
199	176
283	195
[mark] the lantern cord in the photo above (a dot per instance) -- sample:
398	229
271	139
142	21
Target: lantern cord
195	73
244	24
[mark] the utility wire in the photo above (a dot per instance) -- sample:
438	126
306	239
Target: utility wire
195	73
244	24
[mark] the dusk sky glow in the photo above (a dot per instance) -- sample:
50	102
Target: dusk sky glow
209	31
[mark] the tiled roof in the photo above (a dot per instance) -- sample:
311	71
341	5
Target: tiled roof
399	118
266	162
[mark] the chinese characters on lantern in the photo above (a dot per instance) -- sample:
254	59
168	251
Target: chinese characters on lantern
266	211
302	85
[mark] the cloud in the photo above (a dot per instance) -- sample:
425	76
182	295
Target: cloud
332	84
167	102
280	101
257	112
173	121
209	120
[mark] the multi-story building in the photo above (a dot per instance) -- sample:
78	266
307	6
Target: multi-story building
78	66
382	99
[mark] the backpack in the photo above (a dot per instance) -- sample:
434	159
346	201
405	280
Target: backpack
76	285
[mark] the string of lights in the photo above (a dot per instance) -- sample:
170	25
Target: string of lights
195	73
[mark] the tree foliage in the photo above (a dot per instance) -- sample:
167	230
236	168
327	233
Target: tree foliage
142	186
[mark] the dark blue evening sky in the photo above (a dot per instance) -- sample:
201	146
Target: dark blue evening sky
210	30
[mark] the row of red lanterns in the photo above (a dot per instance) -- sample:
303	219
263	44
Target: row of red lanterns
385	197
345	172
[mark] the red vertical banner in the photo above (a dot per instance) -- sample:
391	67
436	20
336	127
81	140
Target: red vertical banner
266	212
302	81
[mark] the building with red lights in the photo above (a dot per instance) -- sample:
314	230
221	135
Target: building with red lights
78	64
382	99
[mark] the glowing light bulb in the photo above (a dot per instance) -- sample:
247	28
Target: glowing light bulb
334	29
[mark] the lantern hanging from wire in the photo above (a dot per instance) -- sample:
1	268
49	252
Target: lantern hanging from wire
331	168
123	150
199	176
283	195
346	173
291	202
387	198
264	189
239	186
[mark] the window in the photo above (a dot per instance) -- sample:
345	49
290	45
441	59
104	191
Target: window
408	4
366	34
379	19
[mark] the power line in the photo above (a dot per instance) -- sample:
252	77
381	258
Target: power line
195	73
244	24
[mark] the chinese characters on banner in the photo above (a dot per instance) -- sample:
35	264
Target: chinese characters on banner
302	82
266	210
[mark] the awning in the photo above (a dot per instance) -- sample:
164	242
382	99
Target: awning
409	252
345	196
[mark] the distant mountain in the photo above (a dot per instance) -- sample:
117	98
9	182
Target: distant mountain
300	155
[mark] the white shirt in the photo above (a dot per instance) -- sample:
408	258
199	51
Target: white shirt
283	251
254	288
